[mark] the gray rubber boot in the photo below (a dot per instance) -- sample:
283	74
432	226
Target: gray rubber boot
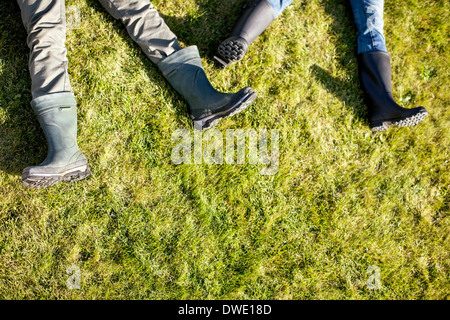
183	69
57	114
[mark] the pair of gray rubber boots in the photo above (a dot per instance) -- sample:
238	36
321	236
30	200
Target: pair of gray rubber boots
57	114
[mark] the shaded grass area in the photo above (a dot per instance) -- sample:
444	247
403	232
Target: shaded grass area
140	227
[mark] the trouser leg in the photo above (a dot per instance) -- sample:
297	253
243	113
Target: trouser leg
145	26
45	24
368	16
53	102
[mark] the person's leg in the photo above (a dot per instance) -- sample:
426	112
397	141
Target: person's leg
374	69
53	102
45	24
181	67
254	19
145	26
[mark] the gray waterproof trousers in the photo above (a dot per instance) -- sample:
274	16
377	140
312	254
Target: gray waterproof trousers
45	22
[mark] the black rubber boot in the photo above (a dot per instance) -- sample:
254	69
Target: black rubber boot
374	70
255	18
57	114
184	71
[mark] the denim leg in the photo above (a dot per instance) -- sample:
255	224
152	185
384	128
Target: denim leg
368	16
279	5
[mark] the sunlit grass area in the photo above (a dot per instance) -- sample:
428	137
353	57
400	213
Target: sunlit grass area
141	227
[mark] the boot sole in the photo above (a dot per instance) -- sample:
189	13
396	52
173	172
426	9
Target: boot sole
214	119
405	122
49	179
230	51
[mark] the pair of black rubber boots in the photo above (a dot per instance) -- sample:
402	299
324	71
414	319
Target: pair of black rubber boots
374	69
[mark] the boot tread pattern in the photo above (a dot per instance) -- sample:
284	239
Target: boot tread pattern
39	182
409	121
232	50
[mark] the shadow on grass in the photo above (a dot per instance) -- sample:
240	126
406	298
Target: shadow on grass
344	32
208	28
341	89
22	142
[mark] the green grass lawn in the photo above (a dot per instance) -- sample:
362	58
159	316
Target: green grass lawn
142	227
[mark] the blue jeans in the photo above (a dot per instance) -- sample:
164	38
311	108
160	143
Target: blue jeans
368	16
279	5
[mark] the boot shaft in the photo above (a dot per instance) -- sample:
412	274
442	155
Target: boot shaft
374	69
181	69
254	19
184	71
57	115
